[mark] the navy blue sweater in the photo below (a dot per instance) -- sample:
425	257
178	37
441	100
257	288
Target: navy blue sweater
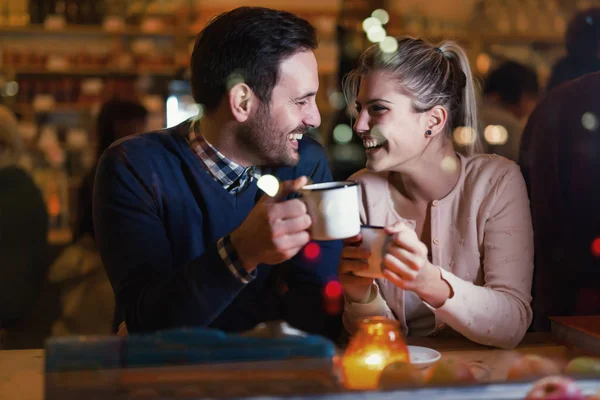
158	214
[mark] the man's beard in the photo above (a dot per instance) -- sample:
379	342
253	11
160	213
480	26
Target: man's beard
265	142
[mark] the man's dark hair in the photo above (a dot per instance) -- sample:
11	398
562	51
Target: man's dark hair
511	81
251	42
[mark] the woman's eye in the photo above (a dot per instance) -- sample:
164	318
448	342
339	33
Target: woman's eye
378	108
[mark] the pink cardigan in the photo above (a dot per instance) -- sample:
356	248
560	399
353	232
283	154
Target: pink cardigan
482	239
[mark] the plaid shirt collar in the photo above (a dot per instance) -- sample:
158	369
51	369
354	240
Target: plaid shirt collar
233	177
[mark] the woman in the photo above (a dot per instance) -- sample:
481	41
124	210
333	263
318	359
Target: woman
461	254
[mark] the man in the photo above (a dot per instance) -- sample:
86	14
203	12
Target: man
186	236
511	93
561	166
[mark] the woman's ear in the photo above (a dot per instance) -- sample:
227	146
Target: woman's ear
436	121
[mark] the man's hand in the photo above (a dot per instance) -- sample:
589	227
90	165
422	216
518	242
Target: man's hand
275	230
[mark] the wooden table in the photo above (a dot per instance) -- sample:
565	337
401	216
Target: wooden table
22	371
22	374
491	364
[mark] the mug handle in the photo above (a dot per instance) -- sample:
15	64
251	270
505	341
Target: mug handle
372	226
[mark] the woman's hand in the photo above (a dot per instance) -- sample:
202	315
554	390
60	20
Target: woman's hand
357	289
406	265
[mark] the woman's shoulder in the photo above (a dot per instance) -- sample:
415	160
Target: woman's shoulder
488	168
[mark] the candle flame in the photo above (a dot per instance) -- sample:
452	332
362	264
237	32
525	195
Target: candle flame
375	359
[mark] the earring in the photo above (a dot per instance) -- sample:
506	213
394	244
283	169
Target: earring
428	132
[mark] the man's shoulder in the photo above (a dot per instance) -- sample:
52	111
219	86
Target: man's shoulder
153	145
311	151
313	163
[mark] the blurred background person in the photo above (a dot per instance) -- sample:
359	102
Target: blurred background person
510	95
76	297
116	119
23	231
582	42
560	160
86	297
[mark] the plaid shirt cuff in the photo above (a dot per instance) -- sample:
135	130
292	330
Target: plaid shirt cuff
231	260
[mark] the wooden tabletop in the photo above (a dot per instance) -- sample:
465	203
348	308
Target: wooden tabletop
492	364
22	374
22	371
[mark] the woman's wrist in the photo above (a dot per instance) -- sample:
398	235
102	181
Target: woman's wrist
365	298
435	290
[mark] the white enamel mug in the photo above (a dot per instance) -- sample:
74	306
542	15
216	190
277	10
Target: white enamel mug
333	208
376	240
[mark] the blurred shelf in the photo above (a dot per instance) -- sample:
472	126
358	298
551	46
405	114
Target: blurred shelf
91	30
58	108
96	71
491	38
525	38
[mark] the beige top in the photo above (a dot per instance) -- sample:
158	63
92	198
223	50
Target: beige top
482	239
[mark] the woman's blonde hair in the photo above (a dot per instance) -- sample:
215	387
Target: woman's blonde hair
431	76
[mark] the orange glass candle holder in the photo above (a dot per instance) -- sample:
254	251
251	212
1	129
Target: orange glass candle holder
377	343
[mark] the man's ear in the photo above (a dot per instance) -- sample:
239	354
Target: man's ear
438	116
241	101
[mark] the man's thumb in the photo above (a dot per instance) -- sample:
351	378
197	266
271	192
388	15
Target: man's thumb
288	187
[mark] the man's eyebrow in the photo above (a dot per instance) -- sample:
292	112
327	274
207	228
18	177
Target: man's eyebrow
306	96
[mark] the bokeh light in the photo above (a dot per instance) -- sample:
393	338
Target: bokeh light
342	134
382	15
268	184
376	34
449	164
589	121
389	45
234	79
54	205
370	23
464	135
596	247
483	63
312	251
495	134
337	100
333	290
376	133
11	88
200	112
